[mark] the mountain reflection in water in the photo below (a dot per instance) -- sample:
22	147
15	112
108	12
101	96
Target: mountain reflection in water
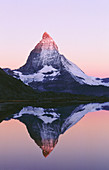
46	124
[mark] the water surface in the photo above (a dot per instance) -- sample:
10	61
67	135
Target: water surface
70	137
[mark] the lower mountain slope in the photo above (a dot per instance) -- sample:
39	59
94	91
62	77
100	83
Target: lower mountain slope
11	88
14	89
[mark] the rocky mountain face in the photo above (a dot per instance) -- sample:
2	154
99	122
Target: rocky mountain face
47	70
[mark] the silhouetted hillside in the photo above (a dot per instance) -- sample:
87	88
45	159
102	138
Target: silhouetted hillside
11	88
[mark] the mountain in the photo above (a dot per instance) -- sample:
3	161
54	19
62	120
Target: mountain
11	88
45	125
47	70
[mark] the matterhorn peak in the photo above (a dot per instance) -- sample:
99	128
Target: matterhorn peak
47	70
46	35
47	43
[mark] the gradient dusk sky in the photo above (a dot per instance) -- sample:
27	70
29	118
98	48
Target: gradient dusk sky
80	28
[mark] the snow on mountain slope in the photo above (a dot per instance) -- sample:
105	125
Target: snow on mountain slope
51	73
45	63
75	70
45	72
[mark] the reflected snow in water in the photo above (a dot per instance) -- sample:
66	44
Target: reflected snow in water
25	129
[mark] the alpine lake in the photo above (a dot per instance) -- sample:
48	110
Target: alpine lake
71	137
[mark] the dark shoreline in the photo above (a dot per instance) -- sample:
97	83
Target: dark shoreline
51	102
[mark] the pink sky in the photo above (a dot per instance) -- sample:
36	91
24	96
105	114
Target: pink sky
79	28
